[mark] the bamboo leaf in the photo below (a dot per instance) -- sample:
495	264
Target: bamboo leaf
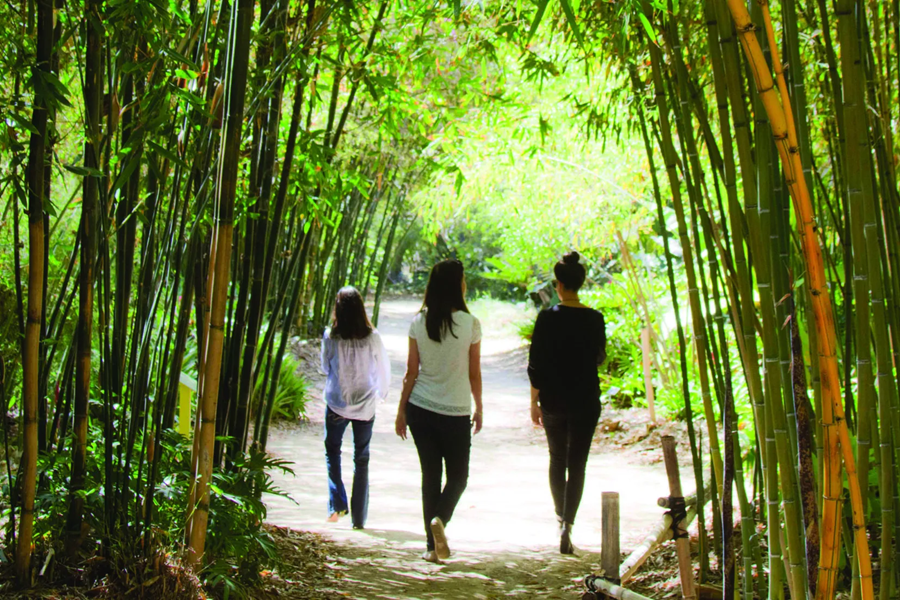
648	27
126	172
23	123
166	153
538	17
83	171
570	17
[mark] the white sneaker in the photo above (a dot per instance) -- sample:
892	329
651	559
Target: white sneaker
431	556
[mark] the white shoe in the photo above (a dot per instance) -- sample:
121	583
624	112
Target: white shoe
431	556
441	548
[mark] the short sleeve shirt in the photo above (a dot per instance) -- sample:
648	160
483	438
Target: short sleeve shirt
443	383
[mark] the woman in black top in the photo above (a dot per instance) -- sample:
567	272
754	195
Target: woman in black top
568	344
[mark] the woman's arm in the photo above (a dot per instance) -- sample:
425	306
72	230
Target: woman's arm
409	380
537	415
475	383
536	368
325	355
601	351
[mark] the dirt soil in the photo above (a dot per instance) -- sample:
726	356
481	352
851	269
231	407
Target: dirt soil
503	534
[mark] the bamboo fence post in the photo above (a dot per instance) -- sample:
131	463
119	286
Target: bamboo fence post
834	422
609	552
682	541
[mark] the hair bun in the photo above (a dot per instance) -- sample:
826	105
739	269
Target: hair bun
571	258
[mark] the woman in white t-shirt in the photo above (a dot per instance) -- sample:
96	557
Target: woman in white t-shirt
358	374
443	374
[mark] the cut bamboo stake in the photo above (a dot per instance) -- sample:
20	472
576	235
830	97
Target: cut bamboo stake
683	542
835	426
609	552
648	372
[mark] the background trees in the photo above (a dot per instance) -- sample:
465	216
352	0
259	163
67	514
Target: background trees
201	178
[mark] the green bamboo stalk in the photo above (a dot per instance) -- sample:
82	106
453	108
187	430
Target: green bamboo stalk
670	159
859	160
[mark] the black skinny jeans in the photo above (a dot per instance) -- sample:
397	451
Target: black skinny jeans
440	439
569	438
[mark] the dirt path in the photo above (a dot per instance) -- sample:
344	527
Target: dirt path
503	534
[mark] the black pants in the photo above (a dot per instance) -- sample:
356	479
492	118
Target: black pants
569	439
440	439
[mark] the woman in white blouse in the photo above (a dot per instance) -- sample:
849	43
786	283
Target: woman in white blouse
443	374
358	374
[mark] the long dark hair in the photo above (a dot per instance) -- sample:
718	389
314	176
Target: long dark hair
570	272
443	295
350	319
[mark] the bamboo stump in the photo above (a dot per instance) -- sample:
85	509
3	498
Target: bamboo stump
682	541
609	552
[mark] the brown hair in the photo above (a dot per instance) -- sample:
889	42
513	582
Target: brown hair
570	272
350	319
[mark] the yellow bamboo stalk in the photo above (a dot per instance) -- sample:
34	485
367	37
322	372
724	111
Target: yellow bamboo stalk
834	423
209	400
30	362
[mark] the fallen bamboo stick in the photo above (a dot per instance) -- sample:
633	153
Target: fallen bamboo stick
660	534
601	587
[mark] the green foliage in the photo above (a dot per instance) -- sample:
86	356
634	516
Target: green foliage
291	394
534	188
237	540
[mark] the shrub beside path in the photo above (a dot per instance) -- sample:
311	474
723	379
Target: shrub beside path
503	534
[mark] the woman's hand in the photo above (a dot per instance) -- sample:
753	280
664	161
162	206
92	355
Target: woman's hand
477	419
400	424
537	415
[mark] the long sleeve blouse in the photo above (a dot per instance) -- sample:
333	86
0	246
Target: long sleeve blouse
567	346
358	373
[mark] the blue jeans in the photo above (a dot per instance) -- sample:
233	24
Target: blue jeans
335	425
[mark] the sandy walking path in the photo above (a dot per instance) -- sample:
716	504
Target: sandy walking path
503	534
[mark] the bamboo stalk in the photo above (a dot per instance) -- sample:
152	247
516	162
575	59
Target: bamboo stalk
833	413
239	45
93	93
30	384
